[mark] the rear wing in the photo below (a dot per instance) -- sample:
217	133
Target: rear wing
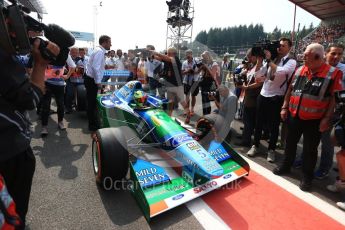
121	76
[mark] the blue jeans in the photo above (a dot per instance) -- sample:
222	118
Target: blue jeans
70	92
327	152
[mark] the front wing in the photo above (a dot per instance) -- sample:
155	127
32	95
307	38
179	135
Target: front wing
163	197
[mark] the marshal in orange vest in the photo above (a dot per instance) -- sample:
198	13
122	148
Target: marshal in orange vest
311	93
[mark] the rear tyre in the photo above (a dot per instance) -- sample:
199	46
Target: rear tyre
81	98
110	157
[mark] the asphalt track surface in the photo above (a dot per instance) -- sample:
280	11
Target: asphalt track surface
65	196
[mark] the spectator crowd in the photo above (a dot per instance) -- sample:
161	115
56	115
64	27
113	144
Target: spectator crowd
324	35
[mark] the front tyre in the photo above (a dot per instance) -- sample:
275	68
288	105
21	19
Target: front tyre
110	157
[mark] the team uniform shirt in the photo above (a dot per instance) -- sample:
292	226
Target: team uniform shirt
277	86
54	73
189	78
95	66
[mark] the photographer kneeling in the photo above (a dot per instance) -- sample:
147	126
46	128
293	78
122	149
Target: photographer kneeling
226	113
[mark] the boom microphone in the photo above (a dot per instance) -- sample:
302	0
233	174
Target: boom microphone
58	35
62	38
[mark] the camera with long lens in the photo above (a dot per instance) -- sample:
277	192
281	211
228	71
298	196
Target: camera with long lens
15	23
144	53
339	120
259	47
239	79
199	63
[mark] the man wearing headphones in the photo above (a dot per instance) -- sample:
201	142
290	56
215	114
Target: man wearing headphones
310	103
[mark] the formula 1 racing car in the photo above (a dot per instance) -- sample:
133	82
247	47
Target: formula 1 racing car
168	163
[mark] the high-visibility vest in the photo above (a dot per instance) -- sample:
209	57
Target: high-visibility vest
310	98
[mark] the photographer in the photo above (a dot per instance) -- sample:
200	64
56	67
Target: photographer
309	102
252	89
153	68
18	93
227	110
190	74
173	79
209	71
272	95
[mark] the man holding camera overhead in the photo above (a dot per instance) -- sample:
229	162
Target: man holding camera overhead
272	95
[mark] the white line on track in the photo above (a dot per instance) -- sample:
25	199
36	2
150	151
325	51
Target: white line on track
205	215
324	207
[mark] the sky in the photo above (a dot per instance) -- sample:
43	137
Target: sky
132	23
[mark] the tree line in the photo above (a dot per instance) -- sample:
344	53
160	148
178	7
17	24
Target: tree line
233	38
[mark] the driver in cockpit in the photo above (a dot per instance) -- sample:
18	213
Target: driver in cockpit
139	99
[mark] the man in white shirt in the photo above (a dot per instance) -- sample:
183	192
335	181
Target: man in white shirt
93	78
110	62
272	95
119	60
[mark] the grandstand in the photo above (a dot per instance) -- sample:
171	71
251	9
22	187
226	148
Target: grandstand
332	26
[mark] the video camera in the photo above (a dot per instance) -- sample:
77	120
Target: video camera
259	47
15	23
